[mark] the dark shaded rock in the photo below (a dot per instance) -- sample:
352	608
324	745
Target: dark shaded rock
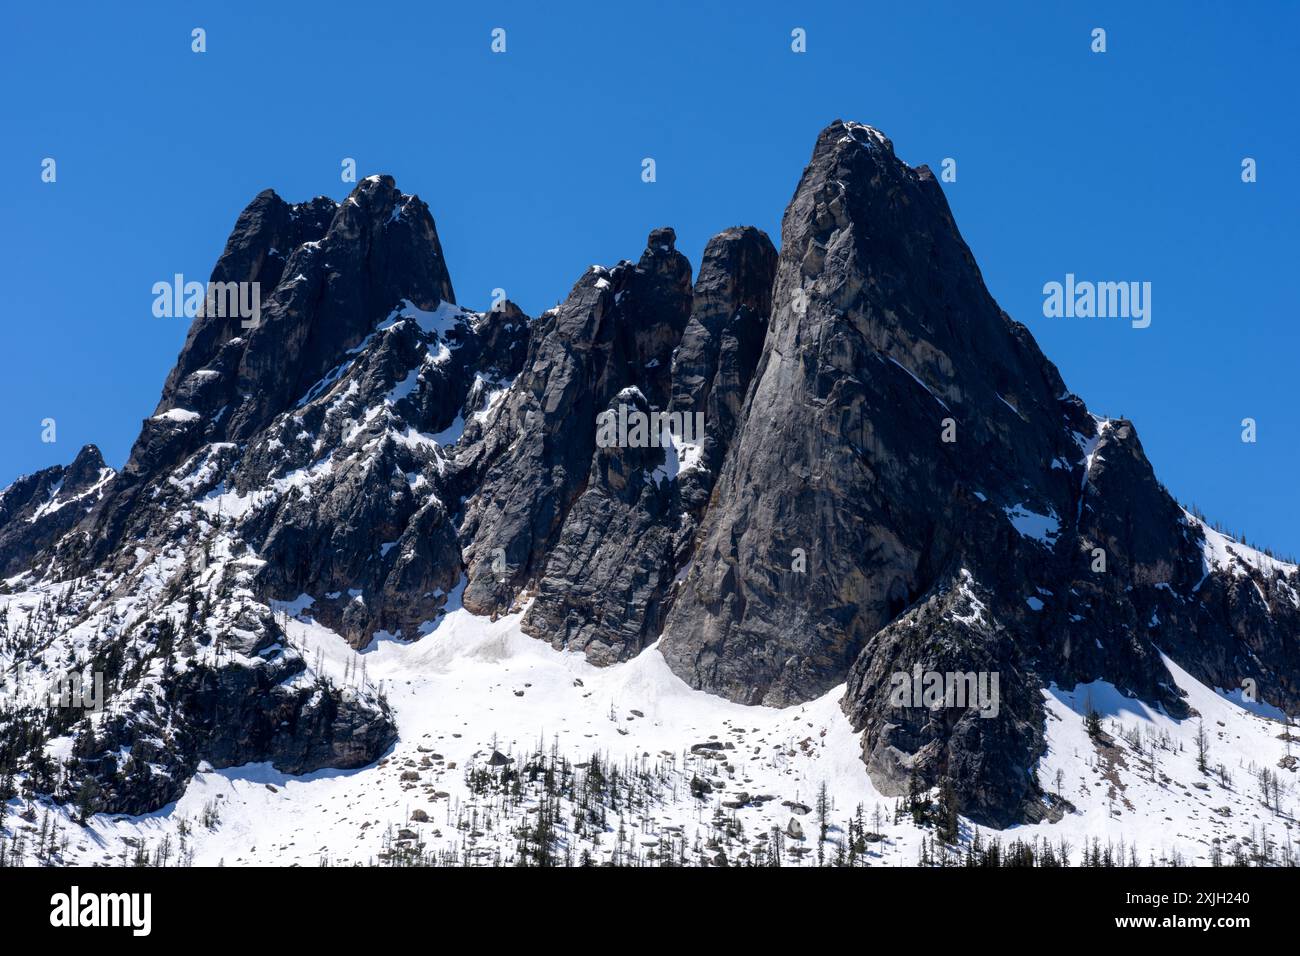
890	479
840	503
246	714
901	433
240	707
369	533
265	234
982	728
38	509
616	330
608	575
721	344
381	248
608	580
349	266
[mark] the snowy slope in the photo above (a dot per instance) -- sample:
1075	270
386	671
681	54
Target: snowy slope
472	686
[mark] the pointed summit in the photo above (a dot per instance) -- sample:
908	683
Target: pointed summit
39	509
911	488
881	332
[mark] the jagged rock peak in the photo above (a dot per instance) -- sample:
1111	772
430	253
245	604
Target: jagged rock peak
617	329
38	509
735	277
891	479
608	581
326	274
86	467
663	239
881	329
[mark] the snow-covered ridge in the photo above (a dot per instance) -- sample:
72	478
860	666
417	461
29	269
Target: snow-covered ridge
56	502
1222	552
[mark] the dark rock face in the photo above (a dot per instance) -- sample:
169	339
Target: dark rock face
722	342
371	519
890	482
38	509
265	233
237	713
903	431
253	705
381	247
305	437
607	578
840	467
328	273
616	330
607	582
977	740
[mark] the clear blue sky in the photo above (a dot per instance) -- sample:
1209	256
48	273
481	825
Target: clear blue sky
1123	165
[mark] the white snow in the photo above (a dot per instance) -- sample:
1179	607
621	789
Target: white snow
177	415
1088	447
679	456
976	610
491	402
1222	552
1149	791
403	388
469	685
1042	528
439	321
55	502
453	691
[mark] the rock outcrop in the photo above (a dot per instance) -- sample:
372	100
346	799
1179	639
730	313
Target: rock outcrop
904	436
607	583
38	509
616	330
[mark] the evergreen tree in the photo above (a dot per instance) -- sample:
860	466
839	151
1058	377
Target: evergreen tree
823	821
1202	747
946	825
918	801
1093	722
87	799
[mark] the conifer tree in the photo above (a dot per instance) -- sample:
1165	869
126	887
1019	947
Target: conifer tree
947	827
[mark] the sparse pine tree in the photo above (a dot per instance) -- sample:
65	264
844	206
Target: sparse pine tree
87	799
1093	721
947	825
823	821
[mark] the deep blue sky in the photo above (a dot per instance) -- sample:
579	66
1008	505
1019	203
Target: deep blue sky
1124	165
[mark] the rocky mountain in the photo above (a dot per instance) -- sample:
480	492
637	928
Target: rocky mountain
888	478
37	510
